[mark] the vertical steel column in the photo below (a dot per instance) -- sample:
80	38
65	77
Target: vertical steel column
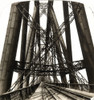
38	30
10	48
55	22
31	37
61	64
85	40
47	35
59	54
55	27
68	41
37	24
23	41
38	37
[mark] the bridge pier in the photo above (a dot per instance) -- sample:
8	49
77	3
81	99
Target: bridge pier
10	47
85	41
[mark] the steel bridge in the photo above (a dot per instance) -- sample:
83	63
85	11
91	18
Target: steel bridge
45	58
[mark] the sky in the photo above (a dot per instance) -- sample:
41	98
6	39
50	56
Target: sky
5	6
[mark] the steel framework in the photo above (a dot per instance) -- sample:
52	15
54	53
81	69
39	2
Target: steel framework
44	54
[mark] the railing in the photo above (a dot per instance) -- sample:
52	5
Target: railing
20	94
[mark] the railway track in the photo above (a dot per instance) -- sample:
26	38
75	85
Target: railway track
70	94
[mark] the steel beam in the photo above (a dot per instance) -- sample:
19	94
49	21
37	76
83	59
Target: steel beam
85	40
48	30
67	30
38	29
10	48
61	64
23	41
55	22
55	27
31	38
48	38
68	41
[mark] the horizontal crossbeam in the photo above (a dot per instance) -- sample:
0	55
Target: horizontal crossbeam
78	65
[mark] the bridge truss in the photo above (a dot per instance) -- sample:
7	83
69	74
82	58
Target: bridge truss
44	55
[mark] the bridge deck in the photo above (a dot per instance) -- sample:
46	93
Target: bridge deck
45	95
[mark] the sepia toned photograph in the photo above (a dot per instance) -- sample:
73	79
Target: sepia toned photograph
47	50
